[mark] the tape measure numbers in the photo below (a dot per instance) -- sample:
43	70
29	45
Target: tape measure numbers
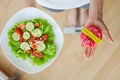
91	35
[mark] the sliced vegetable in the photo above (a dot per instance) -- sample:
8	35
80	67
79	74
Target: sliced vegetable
30	51
44	37
26	35
32	39
40	55
37	32
21	40
16	36
35	46
25	46
37	24
29	26
21	26
37	54
19	31
41	46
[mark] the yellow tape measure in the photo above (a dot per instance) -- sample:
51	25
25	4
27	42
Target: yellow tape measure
91	35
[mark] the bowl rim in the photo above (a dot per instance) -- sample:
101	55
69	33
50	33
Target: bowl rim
52	60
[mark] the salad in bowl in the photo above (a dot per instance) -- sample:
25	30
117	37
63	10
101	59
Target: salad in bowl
33	39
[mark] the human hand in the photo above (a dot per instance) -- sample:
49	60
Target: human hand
96	21
88	52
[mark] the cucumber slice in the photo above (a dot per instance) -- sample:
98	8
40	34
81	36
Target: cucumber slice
16	36
26	35
25	46
41	46
29	26
37	32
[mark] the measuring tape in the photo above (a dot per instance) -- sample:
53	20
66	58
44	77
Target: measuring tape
91	35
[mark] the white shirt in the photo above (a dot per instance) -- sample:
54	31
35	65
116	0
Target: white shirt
62	4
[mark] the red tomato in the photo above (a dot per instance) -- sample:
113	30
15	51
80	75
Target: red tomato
37	54
30	51
44	37
19	31
40	55
32	39
21	40
37	24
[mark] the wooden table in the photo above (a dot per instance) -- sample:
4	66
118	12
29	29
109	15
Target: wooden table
71	64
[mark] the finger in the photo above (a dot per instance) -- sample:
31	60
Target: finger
81	44
89	52
92	51
85	51
107	33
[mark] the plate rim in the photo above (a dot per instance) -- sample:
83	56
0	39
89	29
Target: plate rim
51	6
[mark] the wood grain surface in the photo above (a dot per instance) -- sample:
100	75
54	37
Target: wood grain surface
71	64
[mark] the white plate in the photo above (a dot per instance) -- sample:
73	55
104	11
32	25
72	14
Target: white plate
62	4
24	14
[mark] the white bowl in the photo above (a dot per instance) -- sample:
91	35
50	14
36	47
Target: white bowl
62	4
25	14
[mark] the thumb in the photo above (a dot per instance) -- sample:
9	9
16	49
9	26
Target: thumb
107	34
